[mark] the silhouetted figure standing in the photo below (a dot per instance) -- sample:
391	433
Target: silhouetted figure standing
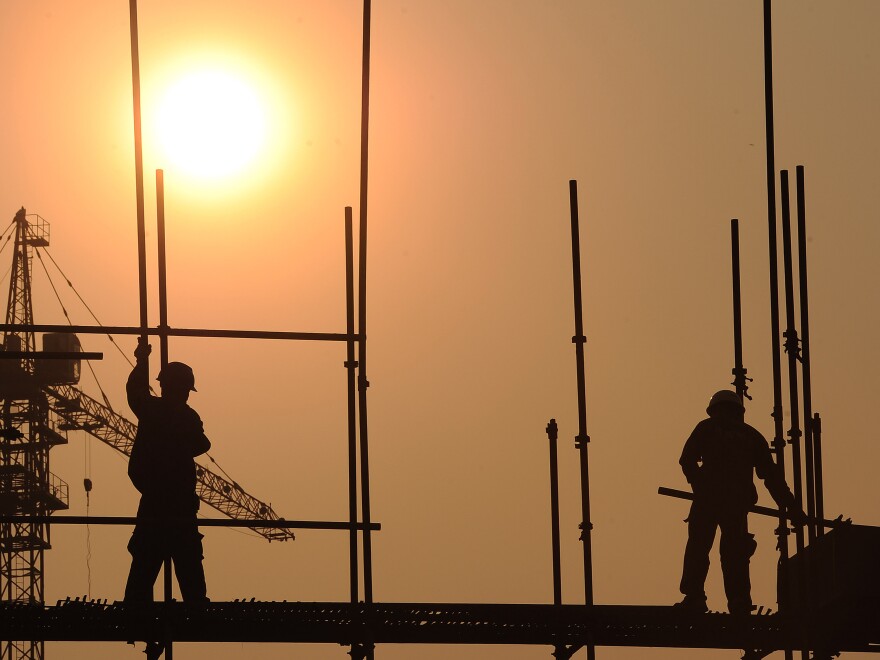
719	460
169	436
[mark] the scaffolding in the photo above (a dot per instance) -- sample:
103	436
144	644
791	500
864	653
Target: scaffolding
804	624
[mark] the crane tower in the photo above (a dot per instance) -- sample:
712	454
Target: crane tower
27	487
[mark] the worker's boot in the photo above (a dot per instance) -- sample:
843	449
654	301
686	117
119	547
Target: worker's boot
740	607
695	604
154	650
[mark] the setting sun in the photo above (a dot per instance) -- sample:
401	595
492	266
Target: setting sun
211	124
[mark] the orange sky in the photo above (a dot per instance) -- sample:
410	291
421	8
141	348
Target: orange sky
481	113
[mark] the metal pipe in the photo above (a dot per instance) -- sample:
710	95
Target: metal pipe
351	369
138	163
760	510
582	439
552	435
267	523
817	446
163	279
363	383
50	355
740	380
778	440
812	530
792	348
179	332
163	339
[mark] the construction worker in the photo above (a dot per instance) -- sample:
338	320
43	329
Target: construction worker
718	460
169	436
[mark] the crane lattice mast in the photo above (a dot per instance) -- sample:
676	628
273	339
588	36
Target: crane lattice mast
27	487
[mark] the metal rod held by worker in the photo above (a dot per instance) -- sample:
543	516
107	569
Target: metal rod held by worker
756	508
582	439
810	469
138	164
351	386
163	346
162	275
792	347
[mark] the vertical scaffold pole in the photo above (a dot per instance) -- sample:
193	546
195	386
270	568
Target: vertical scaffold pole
812	528
162	275
792	348
552	436
163	351
778	440
363	382
582	439
351	368
740	380
820	493
138	165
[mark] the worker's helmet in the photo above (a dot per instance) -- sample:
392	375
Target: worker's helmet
725	397
178	373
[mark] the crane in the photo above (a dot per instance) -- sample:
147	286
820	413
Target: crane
40	402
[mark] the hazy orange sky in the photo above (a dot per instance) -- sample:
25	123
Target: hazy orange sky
481	112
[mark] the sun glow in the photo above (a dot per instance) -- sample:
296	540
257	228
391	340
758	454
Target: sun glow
211	125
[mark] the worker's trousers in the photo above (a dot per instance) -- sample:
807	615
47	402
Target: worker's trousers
150	544
737	546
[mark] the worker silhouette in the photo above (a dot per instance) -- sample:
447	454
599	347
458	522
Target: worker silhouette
169	436
719	459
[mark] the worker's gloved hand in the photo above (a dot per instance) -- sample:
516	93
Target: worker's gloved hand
797	516
143	350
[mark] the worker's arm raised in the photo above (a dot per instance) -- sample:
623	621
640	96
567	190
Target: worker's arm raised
138	386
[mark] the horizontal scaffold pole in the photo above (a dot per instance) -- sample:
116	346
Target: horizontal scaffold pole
178	332
202	522
50	355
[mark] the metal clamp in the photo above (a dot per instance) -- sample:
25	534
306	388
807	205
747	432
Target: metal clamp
585	528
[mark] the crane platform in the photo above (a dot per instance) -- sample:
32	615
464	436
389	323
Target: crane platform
567	626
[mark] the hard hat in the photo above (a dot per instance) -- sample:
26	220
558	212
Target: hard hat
177	372
725	397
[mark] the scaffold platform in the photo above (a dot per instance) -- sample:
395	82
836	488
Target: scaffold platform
431	623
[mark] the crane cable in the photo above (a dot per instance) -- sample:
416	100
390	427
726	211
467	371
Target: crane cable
69	322
85	304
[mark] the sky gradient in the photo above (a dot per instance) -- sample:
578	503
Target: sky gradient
480	114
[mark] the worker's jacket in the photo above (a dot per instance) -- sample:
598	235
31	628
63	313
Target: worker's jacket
720	458
168	438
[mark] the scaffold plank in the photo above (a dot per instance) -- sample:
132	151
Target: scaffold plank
426	623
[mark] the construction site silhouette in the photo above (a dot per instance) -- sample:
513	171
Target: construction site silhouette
827	587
